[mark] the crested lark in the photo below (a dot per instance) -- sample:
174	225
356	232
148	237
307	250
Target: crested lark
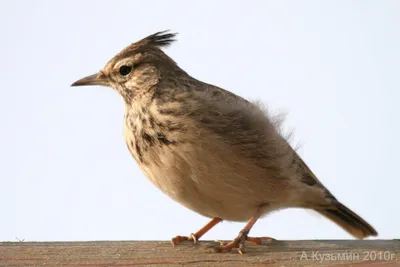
209	149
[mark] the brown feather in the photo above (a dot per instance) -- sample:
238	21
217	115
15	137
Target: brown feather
349	221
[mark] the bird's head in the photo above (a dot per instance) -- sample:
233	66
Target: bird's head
137	69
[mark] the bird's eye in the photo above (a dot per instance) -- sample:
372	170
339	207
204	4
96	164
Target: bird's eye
125	70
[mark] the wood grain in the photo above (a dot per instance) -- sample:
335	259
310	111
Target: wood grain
161	253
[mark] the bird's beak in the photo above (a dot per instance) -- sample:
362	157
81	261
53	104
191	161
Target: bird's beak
95	79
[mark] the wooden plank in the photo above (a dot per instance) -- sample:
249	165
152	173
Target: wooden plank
161	253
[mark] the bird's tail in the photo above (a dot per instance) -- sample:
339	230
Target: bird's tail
348	220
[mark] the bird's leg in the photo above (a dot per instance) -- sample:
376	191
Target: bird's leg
239	241
176	240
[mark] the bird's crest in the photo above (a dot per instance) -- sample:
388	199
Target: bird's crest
156	40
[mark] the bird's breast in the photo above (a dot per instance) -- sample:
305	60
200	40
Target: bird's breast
155	145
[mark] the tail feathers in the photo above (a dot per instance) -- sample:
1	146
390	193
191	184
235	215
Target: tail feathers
349	221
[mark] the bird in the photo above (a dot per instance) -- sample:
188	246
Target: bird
213	151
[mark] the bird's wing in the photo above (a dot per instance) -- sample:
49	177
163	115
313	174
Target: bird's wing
245	124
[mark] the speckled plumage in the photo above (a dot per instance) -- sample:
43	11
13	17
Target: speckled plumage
209	149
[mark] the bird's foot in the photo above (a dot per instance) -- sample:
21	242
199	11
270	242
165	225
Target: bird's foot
178	239
239	242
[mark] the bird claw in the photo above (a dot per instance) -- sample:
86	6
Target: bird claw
193	237
239	243
227	247
241	249
178	239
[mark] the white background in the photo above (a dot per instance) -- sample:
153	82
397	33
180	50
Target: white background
66	173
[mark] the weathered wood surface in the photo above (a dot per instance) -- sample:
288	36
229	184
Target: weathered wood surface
154	253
